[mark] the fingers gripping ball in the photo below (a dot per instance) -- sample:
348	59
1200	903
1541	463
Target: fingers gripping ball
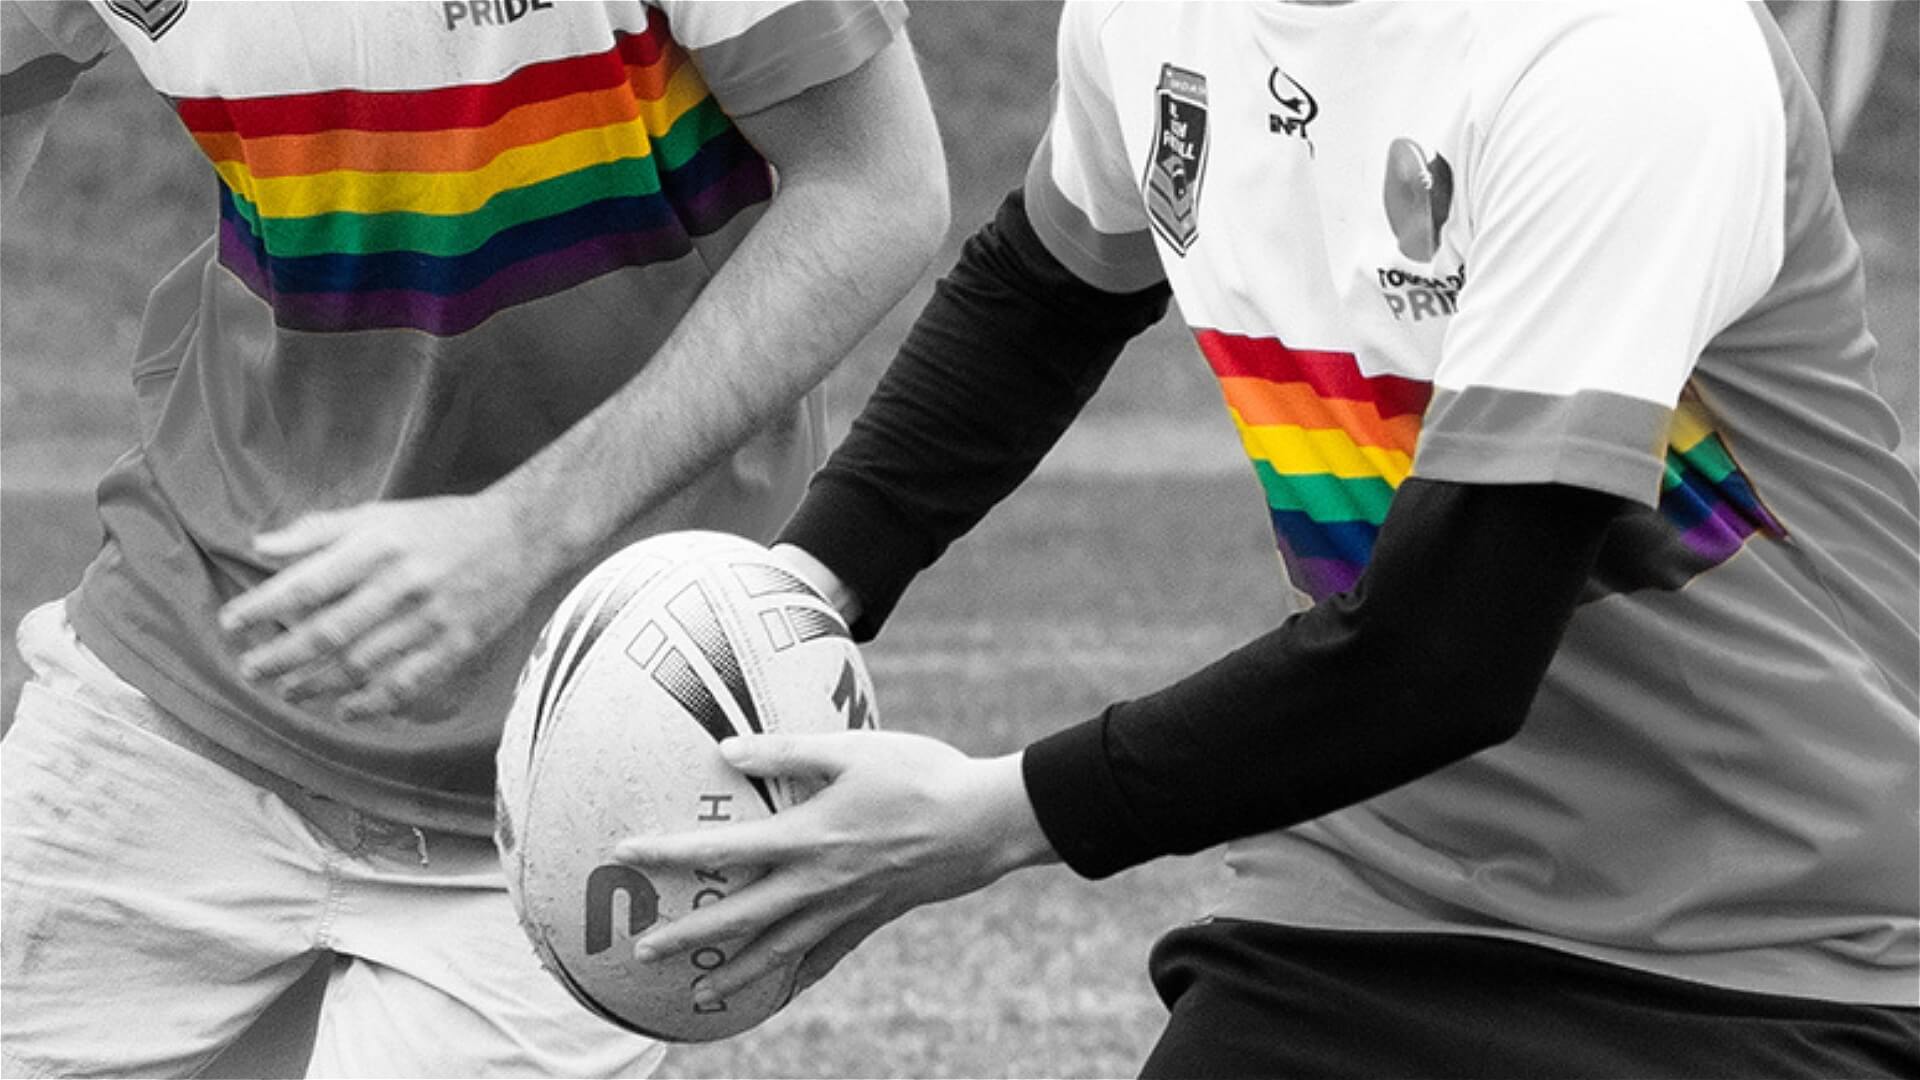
665	649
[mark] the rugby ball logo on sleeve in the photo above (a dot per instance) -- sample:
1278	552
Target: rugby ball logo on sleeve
665	649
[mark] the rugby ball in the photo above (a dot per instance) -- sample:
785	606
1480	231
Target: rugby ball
668	647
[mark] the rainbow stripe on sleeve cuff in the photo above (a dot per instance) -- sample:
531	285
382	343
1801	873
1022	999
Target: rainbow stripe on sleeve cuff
434	209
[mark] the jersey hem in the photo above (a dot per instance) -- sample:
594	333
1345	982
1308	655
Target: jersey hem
230	733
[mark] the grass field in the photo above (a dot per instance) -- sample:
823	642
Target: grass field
1138	553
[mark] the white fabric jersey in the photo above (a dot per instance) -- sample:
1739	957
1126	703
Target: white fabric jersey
1584	243
447	232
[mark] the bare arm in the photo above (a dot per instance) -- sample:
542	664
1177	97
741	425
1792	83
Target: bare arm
861	207
394	597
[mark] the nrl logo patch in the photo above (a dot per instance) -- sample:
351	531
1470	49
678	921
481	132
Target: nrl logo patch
153	17
1178	159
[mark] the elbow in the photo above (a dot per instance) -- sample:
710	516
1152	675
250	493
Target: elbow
909	189
1470	706
1485	716
894	213
1454	723
1497	723
938	214
921	206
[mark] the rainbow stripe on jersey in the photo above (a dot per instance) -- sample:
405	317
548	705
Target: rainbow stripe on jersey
1704	493
432	210
1330	446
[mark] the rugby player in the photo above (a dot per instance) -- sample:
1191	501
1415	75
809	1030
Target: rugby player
496	286
1590	748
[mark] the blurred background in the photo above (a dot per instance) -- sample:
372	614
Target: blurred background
1063	601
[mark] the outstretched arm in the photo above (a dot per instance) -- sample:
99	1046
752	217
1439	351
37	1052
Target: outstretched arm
394	597
1439	649
1289	727
1435	655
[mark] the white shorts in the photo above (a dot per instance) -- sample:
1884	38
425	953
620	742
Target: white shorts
155	903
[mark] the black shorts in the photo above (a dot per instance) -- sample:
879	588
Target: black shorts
1255	999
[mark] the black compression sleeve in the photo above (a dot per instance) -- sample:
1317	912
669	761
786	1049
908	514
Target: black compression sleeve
1435	655
1002	359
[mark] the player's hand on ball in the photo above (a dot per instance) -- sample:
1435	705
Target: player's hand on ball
381	605
904	820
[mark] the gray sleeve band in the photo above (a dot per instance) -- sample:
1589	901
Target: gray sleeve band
796	49
1592	439
1113	262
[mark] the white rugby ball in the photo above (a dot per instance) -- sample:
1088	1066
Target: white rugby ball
663	650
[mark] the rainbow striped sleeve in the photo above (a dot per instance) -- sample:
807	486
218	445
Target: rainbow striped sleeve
432	210
1329	445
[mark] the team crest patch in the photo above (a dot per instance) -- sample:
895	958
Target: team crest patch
154	17
1178	160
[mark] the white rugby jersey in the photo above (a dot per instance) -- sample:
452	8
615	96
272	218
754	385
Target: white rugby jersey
447	231
1584	243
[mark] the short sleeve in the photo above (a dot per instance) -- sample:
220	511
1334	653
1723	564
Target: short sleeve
1626	205
1080	190
44	48
754	53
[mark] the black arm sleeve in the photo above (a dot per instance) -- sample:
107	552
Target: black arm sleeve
1004	356
1434	655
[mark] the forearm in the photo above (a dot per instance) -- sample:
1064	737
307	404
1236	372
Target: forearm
794	298
840	243
996	367
1346	701
1436	655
